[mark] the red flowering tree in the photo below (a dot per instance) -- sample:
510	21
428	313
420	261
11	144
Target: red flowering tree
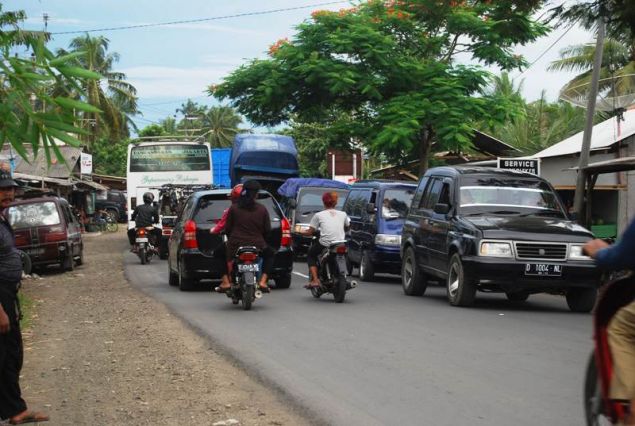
391	70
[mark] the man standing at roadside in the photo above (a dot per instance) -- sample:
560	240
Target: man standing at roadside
12	406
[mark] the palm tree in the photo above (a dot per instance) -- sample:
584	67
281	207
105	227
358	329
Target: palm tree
117	98
220	125
617	75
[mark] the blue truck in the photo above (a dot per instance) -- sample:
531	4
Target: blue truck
269	158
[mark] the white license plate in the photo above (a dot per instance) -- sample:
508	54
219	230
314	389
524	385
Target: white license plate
141	240
249	268
35	252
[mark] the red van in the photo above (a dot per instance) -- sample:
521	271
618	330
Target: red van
46	229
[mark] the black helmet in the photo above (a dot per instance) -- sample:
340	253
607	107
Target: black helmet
148	198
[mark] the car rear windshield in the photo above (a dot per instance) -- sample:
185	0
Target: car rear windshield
36	214
311	199
210	209
396	203
496	193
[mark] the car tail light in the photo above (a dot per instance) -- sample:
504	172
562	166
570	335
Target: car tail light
285	241
189	235
21	240
340	249
55	234
248	257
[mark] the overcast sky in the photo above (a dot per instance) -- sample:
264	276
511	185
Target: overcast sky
169	64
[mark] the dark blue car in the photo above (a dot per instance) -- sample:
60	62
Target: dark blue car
377	209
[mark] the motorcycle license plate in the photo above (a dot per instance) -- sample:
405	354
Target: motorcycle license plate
141	240
341	263
248	268
543	270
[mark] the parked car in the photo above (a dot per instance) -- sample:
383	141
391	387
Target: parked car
377	209
48	231
114	204
494	230
191	248
302	199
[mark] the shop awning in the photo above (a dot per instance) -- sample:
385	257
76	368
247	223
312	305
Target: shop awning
92	185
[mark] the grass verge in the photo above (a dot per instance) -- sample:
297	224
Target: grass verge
26	307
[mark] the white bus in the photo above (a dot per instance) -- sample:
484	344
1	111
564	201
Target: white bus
153	164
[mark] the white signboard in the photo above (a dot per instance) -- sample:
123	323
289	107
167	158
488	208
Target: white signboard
86	162
529	165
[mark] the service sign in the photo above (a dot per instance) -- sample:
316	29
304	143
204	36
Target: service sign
529	165
86	162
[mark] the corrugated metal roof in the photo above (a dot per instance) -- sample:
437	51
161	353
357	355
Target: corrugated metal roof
57	169
604	135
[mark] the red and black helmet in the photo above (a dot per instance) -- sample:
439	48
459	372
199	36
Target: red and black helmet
236	191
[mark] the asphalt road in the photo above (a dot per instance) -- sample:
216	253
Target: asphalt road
386	358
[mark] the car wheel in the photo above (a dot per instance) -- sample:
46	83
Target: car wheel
283	281
113	215
68	264
413	281
517	297
349	266
173	279
461	290
27	265
581	299
185	284
366	269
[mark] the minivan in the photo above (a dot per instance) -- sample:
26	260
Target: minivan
377	210
47	230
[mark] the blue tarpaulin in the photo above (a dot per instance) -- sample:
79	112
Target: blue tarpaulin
291	186
274	155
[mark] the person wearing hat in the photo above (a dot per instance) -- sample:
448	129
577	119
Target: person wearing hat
12	406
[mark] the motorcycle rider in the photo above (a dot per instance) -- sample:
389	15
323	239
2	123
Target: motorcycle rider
145	215
248	224
621	330
332	225
221	251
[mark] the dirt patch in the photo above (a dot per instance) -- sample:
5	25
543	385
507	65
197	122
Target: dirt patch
101	353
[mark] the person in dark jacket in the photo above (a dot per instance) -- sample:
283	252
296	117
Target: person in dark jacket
12	406
144	216
621	329
248	224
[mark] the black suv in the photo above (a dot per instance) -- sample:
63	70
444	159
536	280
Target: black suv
114	204
191	248
497	231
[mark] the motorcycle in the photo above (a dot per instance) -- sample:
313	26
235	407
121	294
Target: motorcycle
144	244
245	270
599	408
332	272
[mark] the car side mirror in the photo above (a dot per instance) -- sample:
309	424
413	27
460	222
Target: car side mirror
441	208
370	208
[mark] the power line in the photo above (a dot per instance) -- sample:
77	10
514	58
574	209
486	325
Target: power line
189	21
547	49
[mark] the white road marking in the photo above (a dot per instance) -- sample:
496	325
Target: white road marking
301	275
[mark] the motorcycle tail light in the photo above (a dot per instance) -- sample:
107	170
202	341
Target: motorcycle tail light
141	232
248	257
189	235
340	249
285	241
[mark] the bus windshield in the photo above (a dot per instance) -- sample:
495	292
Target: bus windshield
169	158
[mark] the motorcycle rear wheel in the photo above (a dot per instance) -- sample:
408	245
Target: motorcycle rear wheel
339	292
593	404
248	297
143	256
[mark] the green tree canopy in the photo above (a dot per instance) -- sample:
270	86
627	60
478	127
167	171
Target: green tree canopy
390	68
30	113
220	125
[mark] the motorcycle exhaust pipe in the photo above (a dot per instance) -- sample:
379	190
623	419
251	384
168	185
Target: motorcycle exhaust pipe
258	294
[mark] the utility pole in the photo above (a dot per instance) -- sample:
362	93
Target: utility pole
578	200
